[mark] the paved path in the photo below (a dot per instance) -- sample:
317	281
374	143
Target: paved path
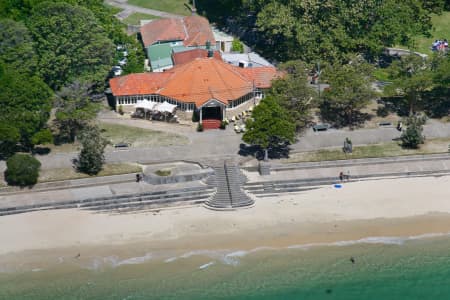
129	9
219	144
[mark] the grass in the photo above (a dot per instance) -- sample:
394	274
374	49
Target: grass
163	172
139	137
135	18
114	10
171	6
371	151
70	173
441	30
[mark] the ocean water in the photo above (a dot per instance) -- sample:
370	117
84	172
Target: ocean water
383	268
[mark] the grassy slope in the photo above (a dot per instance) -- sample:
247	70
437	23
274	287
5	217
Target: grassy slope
171	6
139	137
371	151
441	30
134	19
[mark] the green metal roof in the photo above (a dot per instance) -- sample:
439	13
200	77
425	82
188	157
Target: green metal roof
160	55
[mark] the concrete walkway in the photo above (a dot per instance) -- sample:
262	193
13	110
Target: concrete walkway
130	9
361	169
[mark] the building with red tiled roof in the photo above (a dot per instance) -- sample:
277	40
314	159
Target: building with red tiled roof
208	85
163	30
183	57
192	31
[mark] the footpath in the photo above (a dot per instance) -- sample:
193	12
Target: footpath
121	193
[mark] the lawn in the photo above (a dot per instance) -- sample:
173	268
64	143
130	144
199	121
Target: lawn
441	30
135	18
70	173
139	137
171	6
370	151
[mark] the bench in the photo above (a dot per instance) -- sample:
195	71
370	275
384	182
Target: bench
321	127
121	145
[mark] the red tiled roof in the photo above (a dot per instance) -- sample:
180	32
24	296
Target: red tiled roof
198	31
187	56
137	84
196	82
192	30
203	79
261	76
163	30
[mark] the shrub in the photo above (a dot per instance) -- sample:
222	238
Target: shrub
120	109
22	169
412	137
223	124
200	127
163	172
42	137
237	46
91	158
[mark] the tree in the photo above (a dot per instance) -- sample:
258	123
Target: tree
293	93
16	47
91	157
350	91
411	77
70	44
74	109
237	46
412	137
25	101
9	138
270	126
22	169
44	136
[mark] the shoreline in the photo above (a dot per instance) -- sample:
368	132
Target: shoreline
374	209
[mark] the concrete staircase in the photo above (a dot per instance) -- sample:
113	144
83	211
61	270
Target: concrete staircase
228	180
124	203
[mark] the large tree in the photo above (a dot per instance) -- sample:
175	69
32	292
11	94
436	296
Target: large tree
326	29
350	91
16	47
411	76
70	44
270	126
25	102
74	109
294	94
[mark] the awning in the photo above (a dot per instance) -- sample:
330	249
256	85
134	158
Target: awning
165	107
145	104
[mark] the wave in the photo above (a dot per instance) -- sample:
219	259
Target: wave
114	261
202	267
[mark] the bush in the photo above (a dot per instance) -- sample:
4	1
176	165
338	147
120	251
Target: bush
22	169
195	116
42	137
200	127
237	46
412	137
120	109
223	124
91	158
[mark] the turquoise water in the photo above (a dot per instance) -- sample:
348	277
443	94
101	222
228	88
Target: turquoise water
394	269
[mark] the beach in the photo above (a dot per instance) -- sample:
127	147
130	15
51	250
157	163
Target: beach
385	207
285	247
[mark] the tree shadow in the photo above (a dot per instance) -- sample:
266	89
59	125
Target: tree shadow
41	150
274	152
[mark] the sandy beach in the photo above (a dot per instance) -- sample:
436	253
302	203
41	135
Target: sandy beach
379	208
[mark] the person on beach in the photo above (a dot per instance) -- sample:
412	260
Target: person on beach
341	176
138	177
